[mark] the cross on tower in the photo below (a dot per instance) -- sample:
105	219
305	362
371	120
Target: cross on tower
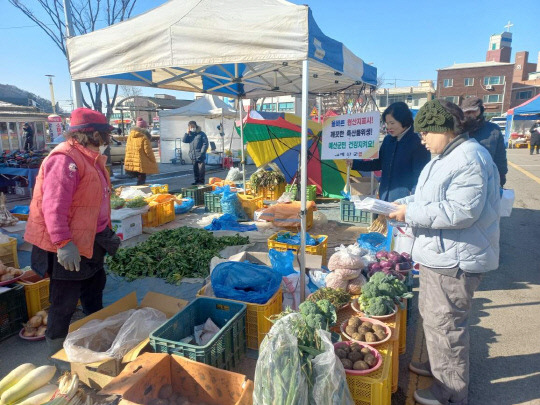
508	26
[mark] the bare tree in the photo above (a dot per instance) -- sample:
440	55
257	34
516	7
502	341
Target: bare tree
87	16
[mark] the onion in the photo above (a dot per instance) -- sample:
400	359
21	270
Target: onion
403	266
35	321
45	319
387	265
395	256
406	256
41	330
382	254
41	313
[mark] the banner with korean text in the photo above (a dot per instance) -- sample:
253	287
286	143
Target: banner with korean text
351	136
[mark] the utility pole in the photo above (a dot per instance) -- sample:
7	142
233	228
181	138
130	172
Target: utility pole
77	92
52	93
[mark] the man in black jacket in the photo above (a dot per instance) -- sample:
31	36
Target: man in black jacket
198	145
28	133
487	134
535	137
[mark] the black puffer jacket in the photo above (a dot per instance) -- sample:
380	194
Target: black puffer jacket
489	135
535	134
198	145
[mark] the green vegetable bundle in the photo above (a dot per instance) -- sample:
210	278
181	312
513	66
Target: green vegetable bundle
172	255
137	202
337	296
381	294
265	179
117	202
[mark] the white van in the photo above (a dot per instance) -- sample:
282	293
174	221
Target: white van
501	122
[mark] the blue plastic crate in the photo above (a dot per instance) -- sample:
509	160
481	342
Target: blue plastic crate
224	350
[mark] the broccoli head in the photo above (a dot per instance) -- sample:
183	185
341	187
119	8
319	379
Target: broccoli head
377	278
399	287
316	321
387	289
308	308
370	290
328	310
379	306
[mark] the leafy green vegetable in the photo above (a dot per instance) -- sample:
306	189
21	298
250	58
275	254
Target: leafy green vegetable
337	297
172	255
117	203
381	293
137	202
265	179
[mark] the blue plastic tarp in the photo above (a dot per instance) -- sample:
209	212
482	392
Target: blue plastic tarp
228	222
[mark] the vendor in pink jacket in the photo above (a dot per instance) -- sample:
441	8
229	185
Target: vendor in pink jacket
70	222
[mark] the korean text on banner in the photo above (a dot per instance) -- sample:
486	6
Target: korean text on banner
352	136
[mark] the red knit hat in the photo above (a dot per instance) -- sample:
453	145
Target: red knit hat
141	123
87	120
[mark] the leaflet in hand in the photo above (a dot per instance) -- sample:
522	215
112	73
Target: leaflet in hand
374	205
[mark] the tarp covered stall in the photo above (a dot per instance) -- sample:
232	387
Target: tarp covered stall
208	111
238	48
529	110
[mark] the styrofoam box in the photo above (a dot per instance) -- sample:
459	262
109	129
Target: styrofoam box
128	227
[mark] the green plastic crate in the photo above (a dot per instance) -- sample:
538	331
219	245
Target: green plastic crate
311	191
349	213
13	311
224	350
212	202
196	192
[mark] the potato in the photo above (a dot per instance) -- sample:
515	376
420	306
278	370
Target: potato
346	348
347	364
360	365
356	336
355	356
377	327
365	351
165	392
349	330
354	322
370	359
380	334
370	337
355	347
368	325
342	354
363	329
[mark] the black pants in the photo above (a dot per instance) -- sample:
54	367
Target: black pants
64	294
537	147
141	177
199	169
28	145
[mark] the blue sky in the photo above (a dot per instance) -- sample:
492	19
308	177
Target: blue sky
405	40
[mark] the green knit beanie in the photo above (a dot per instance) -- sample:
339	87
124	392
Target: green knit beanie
433	117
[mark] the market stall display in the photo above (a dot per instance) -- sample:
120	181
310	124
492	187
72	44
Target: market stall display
366	330
357	359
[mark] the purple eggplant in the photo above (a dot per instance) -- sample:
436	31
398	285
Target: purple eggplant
382	254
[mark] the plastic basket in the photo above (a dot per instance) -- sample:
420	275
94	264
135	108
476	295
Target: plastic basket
311	191
257	323
349	213
403	328
212	202
197	193
158	214
8	253
271	194
250	204
223	351
36	291
12	311
159	188
319	249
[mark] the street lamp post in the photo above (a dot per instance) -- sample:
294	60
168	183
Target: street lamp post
52	93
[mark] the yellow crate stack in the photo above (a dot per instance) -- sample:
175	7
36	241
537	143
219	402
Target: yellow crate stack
319	249
250	203
8	253
36	291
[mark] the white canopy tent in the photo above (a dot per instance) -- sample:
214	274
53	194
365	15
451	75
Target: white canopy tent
208	111
238	48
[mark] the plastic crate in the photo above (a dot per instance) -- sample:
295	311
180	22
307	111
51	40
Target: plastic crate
403	328
394	342
159	188
375	387
196	192
159	214
212	202
223	351
250	204
271	194
319	249
36	291
349	213
257	323
311	191
12	311
8	253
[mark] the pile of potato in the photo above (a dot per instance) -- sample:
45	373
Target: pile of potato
9	273
356	357
365	331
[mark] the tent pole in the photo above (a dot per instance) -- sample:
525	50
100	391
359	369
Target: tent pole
241	111
303	178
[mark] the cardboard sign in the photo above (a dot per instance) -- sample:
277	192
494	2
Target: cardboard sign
354	136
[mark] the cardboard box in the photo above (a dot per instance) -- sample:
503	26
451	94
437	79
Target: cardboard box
362	186
142	379
97	375
128	227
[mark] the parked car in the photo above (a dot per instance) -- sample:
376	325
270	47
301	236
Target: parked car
118	151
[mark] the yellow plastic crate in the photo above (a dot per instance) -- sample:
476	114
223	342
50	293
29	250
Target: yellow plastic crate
159	214
403	328
250	203
36	290
257	323
373	388
319	249
8	253
20	217
272	194
160	189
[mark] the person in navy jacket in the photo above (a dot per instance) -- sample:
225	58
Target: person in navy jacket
401	156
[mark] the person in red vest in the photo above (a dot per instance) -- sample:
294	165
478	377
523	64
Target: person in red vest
69	224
